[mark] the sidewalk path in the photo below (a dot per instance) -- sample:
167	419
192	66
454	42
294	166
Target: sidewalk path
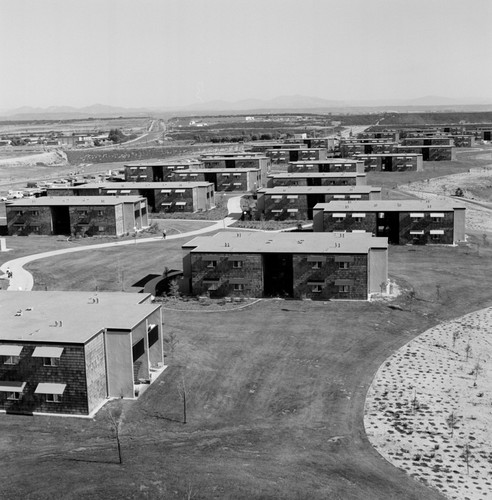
23	280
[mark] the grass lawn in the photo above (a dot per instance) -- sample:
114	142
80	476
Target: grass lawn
275	396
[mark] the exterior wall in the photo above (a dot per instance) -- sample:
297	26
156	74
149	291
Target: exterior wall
287	206
119	363
399	163
348	150
65	191
328	275
28	220
70	371
371	223
93	220
282	156
175	195
377	269
156	350
224	276
119	222
464	141
459	225
431	153
427	141
95	361
141	364
331	167
325	181
129	222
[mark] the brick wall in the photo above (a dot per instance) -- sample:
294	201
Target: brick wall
225	275
93	220
323	272
95	362
349	223
28	220
71	371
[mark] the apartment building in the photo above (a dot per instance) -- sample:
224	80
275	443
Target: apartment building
327	165
223	179
297	202
158	171
288	155
76	215
401	221
391	162
317	179
430	153
68	352
318	266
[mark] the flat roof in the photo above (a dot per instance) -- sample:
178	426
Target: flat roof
416	146
217	170
160	163
240	157
286	242
319	189
387	206
44	201
79	319
139	185
309	175
298	149
326	160
364	155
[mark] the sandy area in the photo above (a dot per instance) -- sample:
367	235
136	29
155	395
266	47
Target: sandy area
477	218
48	158
445	374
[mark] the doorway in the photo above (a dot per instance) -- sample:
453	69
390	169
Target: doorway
60	218
278	275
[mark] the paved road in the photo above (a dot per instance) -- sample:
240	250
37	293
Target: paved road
23	280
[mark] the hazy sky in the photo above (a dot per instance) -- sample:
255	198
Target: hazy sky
176	52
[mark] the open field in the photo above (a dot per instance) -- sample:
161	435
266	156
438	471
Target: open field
275	400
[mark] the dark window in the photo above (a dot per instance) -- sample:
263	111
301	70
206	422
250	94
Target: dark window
138	349
153	335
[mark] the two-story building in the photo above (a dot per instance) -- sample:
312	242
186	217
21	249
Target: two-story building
309	178
401	221
318	266
68	352
239	161
430	153
327	165
349	149
223	179
391	162
157	171
76	215
297	202
160	196
288	155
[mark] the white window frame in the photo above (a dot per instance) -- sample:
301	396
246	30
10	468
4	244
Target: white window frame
11	360
343	288
344	265
52	361
212	264
237	264
53	398
239	287
14	395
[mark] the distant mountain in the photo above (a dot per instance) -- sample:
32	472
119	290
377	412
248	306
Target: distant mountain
293	103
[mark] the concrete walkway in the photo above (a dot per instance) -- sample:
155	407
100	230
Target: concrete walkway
23	280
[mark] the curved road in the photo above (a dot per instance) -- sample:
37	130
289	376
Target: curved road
23	280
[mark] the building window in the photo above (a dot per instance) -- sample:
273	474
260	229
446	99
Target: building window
238	287
100	212
13	395
343	265
51	361
19	212
237	264
12	360
34	212
317	265
212	263
101	228
316	288
53	398
344	288
357	219
83	213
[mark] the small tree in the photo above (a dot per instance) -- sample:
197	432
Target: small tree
466	457
477	369
456	335
172	341
115	420
182	394
452	420
174	289
468	350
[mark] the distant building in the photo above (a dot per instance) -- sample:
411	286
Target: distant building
391	162
349	149
316	179
157	171
68	352
284	155
263	146
76	215
297	202
389	135
319	266
441	140
223	179
463	140
239	161
327	165
401	221
160	196
430	153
